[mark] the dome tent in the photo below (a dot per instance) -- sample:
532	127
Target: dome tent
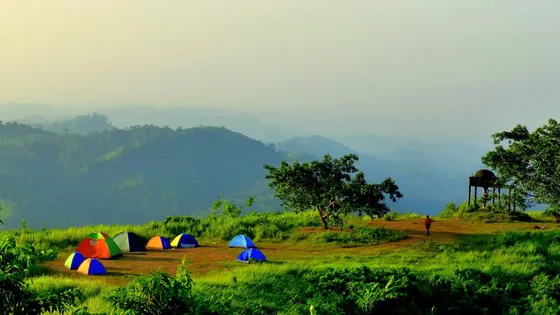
129	242
158	242
74	261
98	245
241	241
184	241
92	266
251	254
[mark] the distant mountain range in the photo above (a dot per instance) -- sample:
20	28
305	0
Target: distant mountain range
133	115
430	174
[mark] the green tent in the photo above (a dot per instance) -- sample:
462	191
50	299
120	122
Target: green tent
98	245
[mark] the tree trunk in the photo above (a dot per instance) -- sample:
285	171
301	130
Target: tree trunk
323	215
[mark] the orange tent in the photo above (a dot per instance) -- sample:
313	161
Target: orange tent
98	245
158	242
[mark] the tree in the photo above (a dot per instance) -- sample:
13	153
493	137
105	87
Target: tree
529	162
328	187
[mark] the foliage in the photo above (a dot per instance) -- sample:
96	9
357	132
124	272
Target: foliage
552	211
328	186
15	264
449	211
157	293
228	209
489	214
391	216
529	163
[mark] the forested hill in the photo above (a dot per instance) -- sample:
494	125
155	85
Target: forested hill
83	124
123	176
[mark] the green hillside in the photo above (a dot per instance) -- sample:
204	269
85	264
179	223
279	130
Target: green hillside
132	175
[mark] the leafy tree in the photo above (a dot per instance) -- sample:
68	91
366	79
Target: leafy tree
228	208
529	162
329	187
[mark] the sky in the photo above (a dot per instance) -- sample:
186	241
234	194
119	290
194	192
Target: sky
447	68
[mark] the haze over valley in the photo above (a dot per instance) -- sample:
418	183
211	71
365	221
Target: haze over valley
416	90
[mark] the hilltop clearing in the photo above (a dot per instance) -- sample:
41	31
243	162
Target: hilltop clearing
214	256
462	268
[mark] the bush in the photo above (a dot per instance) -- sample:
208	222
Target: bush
391	216
17	262
157	293
449	211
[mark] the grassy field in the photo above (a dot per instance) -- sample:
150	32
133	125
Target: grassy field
305	262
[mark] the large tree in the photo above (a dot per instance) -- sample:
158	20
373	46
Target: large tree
332	186
529	162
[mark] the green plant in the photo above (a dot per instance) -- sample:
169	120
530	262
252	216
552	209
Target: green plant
17	262
391	216
449	211
157	293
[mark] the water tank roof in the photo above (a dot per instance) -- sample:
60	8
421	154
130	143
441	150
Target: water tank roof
485	174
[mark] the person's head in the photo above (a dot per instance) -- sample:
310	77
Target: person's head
427	216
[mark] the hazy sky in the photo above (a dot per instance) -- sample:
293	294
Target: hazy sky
420	66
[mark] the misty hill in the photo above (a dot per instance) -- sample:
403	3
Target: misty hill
82	124
426	189
124	176
133	115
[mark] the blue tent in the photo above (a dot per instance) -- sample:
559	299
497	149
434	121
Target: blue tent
184	241
241	241
92	266
251	254
74	261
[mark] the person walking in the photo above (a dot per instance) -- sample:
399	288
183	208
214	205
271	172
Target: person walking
428	223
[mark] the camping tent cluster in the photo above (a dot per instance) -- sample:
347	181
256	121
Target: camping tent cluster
99	245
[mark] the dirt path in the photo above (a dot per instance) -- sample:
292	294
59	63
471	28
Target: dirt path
218	257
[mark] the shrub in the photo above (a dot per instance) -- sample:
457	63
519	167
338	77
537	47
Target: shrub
449	211
391	216
17	262
157	293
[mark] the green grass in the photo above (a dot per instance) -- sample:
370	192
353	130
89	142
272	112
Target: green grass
476	274
394	216
93	291
358	236
509	257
